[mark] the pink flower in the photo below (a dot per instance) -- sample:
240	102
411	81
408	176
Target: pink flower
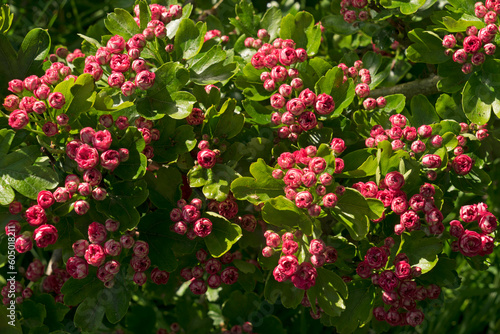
376	257
295	106
50	129
128	88
229	275
388	281
116	44
309	98
324	104
110	159
120	63
77	267
45	235
307	121
277	101
45	199
431	161
317	246
23	243
462	164
293	178
116	79
16	86
330	200
56	100
86	157
18	119
338	146
286	160
288	265
35	215
94	69
362	90
488	223
97	233
81	207
11	102
202	227
145	80
305	276
394	180
279	73
287	56
470	243
468	213
206	158
449	41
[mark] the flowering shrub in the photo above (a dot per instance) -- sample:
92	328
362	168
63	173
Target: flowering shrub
182	162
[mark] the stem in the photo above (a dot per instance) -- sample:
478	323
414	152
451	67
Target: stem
427	86
56	257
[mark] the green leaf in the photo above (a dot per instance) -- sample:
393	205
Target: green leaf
259	188
239	304
462	23
302	30
354	211
290	296
359	163
33	313
448	108
76	290
55	311
422	111
407	7
474	182
18	170
144	14
135	166
337	25
315	137
91	40
282	212
271	22
171	76
245	14
141	319
173	26
189	38
116	300
171	144
329	290
428	47
444	274
33	51
212	67
89	315
257	112
229	122
163	187
122	23
155	230
224	234
5	19
358	307
122	200
421	250
477	99
79	94
218	181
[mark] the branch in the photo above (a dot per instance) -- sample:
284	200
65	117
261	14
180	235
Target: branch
56	257
427	86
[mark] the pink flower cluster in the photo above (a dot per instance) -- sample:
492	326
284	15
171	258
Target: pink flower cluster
217	34
227	208
400	292
190	214
209	272
418	142
478	42
145	126
35	96
356	12
306	178
303	275
16	288
296	114
474	241
93	149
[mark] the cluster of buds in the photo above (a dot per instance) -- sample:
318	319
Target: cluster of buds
257	43
478	42
209	272
128	72
63	54
303	170
15	292
420	141
160	17
206	157
247	327
145	127
471	243
400	292
34	100
303	275
227	208
186	214
297	114
217	34
85	151
197	116
353	10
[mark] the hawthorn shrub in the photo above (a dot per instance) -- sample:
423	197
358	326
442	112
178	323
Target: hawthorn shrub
219	169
